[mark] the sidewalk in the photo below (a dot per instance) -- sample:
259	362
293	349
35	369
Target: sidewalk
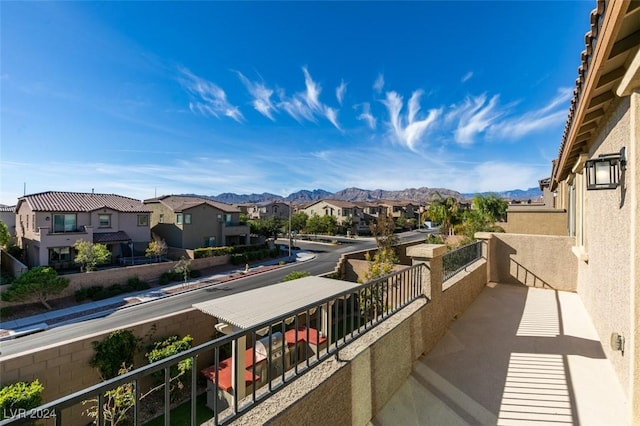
35	323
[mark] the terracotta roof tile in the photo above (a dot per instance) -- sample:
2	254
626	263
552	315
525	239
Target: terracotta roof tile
180	203
52	201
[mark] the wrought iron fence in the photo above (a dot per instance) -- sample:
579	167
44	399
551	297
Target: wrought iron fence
274	360
458	259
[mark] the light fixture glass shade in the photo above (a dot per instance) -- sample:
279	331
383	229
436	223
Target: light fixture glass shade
603	172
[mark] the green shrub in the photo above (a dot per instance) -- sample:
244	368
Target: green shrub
82	294
21	395
116	350
164	348
137	284
295	275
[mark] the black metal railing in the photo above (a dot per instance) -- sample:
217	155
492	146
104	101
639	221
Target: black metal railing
292	344
458	259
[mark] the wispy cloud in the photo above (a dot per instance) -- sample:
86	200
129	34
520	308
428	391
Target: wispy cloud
378	85
552	114
207	97
467	76
365	114
340	91
307	105
408	129
473	117
261	96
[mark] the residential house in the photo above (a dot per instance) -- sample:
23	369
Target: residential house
193	222
343	211
48	224
8	217
601	139
276	209
397	209
370	213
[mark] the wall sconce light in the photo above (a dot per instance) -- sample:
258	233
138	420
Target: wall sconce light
605	171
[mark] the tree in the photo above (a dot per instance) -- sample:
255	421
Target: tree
5	237
299	221
183	268
157	249
90	255
380	264
485	212
37	284
494	207
113	352
445	212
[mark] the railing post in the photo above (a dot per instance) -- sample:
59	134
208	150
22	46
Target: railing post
431	255
486	237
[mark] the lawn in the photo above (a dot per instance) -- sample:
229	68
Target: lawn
181	415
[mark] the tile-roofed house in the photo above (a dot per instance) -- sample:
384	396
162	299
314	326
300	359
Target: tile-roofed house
48	224
343	211
189	222
603	224
8	217
277	209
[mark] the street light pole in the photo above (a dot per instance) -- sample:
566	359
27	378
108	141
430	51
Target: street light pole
289	229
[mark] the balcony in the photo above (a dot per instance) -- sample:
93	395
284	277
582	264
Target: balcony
499	337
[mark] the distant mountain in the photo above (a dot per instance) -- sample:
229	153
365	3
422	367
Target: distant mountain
349	194
231	198
410	194
515	194
358	194
305	196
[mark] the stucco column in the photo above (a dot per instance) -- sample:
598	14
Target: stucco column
486	237
431	255
238	358
327	326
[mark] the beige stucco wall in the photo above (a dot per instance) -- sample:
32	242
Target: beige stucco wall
607	281
63	368
149	273
536	220
533	260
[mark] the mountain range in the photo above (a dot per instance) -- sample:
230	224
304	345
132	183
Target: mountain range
358	194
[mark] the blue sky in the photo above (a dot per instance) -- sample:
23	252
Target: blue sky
146	98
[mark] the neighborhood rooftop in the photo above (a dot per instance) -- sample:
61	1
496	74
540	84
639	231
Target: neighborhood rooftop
52	201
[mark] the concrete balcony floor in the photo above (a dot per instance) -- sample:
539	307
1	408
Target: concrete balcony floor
518	355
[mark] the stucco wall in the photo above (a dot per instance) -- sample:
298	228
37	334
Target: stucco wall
532	260
63	368
536	220
606	282
149	273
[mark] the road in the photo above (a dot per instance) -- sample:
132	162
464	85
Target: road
324	262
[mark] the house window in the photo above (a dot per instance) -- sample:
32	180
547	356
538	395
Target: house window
179	218
64	223
161	218
143	220
187	219
59	254
104	221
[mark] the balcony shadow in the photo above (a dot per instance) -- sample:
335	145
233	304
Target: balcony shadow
511	358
